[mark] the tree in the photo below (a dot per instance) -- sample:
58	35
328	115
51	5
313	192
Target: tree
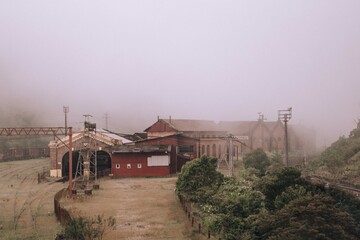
199	179
276	162
274	184
225	212
258	160
290	194
309	217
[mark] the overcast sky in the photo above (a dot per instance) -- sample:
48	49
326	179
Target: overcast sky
214	60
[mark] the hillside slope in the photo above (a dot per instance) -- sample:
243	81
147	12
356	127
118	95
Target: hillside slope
340	161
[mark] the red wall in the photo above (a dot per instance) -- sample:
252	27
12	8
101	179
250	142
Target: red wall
134	159
174	141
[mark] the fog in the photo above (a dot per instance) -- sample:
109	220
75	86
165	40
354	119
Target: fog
213	60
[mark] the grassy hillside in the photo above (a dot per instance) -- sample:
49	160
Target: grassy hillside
340	161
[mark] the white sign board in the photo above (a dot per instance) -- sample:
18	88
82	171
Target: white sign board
158	161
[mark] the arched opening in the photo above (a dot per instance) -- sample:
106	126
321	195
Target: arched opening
103	164
214	150
65	164
208	150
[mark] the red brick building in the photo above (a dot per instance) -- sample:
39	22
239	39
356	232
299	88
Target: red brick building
211	140
183	148
142	161
99	141
250	135
153	157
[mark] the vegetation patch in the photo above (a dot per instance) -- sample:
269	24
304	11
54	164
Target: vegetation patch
267	201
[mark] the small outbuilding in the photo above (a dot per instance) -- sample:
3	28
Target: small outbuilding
142	161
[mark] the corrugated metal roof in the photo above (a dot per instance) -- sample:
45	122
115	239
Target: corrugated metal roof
113	136
145	148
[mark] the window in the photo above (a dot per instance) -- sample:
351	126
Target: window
117	166
186	149
139	165
128	166
202	149
214	150
208	150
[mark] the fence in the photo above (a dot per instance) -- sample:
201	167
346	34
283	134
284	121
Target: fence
62	215
195	220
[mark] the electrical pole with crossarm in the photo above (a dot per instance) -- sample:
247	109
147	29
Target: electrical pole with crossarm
285	116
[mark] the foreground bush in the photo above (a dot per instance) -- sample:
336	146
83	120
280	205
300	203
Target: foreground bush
199	179
81	228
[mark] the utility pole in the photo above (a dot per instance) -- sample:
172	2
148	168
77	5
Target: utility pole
66	110
70	164
231	162
285	116
106	116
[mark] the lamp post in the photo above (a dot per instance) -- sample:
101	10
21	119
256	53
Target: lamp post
285	116
66	110
70	163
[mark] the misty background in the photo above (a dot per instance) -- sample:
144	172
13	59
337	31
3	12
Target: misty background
213	60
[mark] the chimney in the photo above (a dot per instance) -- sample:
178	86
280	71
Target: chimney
170	118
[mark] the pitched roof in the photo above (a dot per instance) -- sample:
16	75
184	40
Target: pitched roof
243	128
112	135
239	128
137	149
186	125
101	135
180	135
272	125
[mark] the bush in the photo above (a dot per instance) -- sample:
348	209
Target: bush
199	179
81	228
258	160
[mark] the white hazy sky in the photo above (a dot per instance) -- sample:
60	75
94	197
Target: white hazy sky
215	60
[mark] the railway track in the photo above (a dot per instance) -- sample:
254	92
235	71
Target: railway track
346	187
26	206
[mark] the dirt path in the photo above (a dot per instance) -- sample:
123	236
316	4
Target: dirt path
27	210
144	208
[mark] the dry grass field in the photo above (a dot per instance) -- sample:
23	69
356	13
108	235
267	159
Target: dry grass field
26	207
144	208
